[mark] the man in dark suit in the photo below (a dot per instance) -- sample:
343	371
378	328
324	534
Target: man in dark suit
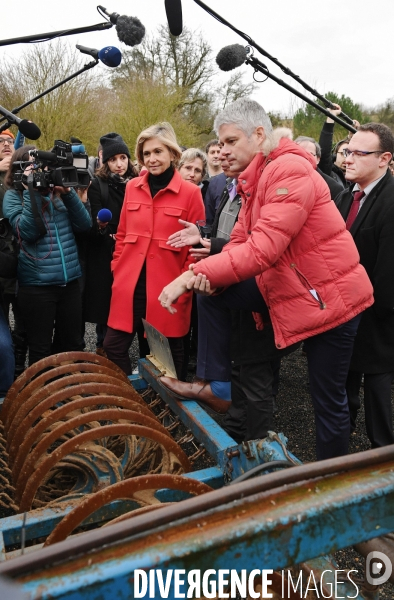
368	209
311	146
213	196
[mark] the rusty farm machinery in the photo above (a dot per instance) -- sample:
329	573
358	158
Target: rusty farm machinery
106	478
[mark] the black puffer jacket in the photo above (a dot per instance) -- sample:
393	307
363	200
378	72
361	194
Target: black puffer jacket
100	246
326	164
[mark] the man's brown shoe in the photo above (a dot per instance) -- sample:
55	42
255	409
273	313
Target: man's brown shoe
199	391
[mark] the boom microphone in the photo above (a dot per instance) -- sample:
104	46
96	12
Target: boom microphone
109	55
231	57
130	30
174	16
27	128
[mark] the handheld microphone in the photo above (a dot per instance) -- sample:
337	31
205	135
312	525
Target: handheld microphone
130	30
109	55
104	215
174	16
27	128
231	57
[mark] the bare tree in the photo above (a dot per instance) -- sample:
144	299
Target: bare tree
140	103
235	88
74	109
185	66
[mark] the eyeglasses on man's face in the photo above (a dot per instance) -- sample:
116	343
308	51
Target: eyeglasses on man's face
9	141
347	152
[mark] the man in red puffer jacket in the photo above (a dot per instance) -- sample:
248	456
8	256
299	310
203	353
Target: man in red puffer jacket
290	260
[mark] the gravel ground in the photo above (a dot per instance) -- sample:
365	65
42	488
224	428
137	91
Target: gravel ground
295	419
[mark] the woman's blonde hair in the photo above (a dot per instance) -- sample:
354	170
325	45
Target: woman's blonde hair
166	134
191	154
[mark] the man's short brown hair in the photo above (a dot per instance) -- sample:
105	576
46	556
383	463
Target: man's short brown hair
384	133
210	144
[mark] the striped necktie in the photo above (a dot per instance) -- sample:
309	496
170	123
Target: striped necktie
232	190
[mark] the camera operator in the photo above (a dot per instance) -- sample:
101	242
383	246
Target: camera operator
44	221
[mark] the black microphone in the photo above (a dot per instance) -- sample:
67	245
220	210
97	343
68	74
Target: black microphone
109	55
130	30
174	16
231	57
27	128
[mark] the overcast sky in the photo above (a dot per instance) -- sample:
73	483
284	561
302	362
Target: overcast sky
343	47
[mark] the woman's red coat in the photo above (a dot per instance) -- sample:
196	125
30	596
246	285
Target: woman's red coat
144	227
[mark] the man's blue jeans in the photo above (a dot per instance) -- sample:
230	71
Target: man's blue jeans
7	360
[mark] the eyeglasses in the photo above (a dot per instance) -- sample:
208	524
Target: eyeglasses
9	141
346	152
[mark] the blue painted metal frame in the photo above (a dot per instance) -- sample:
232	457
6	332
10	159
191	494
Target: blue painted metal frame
234	459
40	523
248	540
270	530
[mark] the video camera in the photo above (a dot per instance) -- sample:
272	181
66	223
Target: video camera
65	166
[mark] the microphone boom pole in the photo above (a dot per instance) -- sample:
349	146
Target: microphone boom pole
15	111
42	37
285	70
259	66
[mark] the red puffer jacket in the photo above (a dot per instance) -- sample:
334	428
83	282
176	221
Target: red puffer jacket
291	237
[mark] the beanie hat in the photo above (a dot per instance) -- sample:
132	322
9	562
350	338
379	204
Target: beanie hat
112	144
8	132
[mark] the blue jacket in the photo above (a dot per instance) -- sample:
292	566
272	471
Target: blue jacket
51	259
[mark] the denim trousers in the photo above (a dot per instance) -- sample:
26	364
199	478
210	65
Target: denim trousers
7	360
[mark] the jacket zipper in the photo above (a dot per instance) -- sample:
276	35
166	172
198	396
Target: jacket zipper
60	247
313	292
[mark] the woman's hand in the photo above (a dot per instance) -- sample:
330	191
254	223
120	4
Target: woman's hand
200	285
185	237
335	111
200	253
61	190
83	193
173	290
101	224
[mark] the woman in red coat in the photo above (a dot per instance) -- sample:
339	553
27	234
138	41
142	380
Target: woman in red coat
143	263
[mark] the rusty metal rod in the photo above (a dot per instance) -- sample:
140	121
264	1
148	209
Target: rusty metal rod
170	514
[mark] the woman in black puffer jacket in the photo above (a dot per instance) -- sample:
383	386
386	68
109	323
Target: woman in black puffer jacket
107	190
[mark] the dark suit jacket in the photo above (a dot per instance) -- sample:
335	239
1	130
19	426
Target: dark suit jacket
373	233
335	187
248	345
213	195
